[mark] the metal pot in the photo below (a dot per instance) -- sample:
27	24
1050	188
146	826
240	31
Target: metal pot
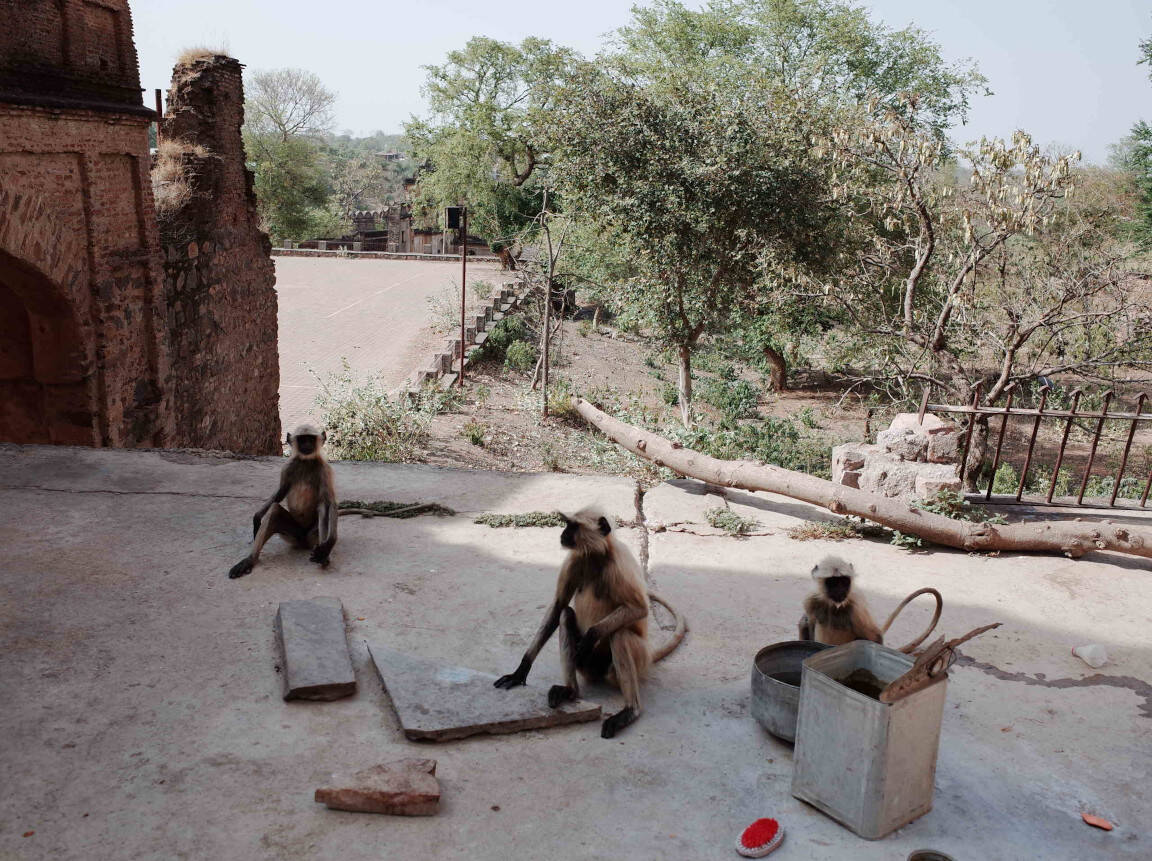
776	685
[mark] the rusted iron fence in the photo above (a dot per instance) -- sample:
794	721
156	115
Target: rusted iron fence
1032	418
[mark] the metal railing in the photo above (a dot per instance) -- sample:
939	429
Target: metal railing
1038	414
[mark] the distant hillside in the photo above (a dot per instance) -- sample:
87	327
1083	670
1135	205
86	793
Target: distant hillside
375	143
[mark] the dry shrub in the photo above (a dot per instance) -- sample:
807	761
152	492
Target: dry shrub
170	186
198	52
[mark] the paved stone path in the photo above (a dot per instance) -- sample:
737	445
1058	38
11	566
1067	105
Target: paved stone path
374	313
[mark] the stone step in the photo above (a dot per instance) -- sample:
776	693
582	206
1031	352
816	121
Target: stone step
316	664
438	702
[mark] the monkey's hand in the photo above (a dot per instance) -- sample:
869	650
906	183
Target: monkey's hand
586	646
240	568
514	679
320	555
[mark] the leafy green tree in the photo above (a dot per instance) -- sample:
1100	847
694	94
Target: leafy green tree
292	187
978	269
689	143
694	181
1133	155
490	106
829	50
285	111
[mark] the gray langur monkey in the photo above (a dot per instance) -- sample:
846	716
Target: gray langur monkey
835	615
303	509
601	609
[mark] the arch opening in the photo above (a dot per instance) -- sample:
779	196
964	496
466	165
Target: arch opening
45	383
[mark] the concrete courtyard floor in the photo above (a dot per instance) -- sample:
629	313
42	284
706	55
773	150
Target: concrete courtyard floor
142	718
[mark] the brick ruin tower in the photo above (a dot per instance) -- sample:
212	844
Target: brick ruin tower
82	352
217	266
117	330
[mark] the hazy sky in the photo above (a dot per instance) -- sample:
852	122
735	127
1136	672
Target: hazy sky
1064	70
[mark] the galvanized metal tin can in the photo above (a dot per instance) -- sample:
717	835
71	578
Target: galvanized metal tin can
776	685
869	765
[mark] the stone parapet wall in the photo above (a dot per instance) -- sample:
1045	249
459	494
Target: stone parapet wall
910	459
379	255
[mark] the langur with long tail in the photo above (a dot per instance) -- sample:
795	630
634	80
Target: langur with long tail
835	614
601	609
303	509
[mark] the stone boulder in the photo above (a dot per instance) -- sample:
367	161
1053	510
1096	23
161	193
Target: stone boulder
911	459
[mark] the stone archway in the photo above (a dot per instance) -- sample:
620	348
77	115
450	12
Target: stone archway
46	381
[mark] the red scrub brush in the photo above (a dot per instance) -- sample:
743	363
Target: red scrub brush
760	838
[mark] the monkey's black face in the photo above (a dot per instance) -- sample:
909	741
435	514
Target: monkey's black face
837	588
568	536
305	443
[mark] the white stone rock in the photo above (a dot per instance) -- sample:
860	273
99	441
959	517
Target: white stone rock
904	443
932	424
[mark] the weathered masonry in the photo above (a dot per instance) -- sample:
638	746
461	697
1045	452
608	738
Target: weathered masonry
82	357
218	272
91	352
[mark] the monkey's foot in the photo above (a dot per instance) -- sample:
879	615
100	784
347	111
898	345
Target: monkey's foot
560	694
244	566
617	722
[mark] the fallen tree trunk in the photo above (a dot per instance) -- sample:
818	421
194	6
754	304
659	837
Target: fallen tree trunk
1073	539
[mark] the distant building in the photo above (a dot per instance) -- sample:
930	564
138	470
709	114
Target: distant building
394	229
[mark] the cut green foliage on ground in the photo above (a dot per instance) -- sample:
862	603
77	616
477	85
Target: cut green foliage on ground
954	505
531	518
384	508
825	530
730	521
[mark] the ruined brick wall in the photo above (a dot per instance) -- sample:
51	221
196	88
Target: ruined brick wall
83	357
218	273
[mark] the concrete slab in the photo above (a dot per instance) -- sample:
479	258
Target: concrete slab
406	787
137	689
227	477
315	653
439	702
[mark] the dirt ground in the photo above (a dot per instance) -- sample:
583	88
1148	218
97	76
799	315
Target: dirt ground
607	365
627	374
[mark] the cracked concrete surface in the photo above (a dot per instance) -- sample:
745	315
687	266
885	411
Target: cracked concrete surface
142	715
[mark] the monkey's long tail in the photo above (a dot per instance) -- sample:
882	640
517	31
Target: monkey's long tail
677	636
931	625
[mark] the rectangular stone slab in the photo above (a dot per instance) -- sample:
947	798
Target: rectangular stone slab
316	665
438	702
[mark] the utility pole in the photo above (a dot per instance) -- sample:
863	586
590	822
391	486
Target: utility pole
463	284
159	115
458	219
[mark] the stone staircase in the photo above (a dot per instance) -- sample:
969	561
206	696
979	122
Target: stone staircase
443	368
